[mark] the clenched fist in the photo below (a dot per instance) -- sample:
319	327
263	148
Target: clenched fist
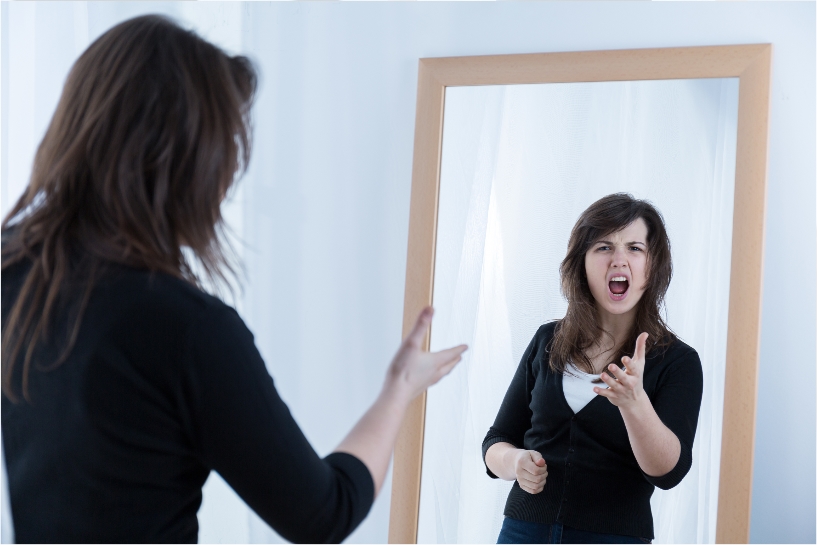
530	469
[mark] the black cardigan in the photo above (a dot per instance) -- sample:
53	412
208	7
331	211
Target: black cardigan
594	482
164	384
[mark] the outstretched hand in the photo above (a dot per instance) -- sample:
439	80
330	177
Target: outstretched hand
413	369
627	388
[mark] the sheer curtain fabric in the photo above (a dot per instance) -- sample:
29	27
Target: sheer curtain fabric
519	164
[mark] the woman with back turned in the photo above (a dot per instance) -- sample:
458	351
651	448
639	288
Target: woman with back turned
585	466
124	384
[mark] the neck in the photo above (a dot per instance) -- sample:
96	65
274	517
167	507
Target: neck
616	325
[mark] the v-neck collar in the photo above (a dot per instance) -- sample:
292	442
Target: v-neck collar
564	399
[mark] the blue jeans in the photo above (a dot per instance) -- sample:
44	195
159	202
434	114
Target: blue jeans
519	531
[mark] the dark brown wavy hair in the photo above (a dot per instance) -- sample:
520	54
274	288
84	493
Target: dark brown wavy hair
580	328
152	128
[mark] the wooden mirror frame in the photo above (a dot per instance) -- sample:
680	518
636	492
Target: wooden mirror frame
750	63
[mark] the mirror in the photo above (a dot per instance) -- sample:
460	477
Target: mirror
519	165
509	150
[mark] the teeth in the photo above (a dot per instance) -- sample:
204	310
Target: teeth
618	279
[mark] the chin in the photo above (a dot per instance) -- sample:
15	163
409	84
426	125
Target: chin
618	310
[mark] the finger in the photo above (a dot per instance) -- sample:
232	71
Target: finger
447	368
535	480
444	357
530	488
418	332
534	471
537	458
641	346
625	362
530	480
536	489
617	371
535	464
523	479
604	392
611	382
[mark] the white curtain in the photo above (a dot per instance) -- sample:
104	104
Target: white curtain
520	163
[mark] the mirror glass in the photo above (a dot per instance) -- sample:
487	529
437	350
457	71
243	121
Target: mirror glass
519	165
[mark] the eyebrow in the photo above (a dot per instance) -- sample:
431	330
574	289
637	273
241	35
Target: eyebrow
631	243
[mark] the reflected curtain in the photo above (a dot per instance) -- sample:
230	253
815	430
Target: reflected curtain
519	164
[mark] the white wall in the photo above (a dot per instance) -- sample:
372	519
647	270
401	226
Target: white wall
325	206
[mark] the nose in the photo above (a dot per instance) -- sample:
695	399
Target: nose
619	258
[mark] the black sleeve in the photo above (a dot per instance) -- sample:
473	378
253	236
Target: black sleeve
246	433
677	402
514	417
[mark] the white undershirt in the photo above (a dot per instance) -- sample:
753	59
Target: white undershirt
578	387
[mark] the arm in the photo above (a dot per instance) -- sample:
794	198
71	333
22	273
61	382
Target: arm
503	459
410	373
655	447
241	428
661	436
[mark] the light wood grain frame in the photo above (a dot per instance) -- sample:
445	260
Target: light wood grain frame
750	63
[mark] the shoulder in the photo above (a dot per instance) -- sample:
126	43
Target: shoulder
160	306
677	352
546	331
676	361
539	347
161	292
173	331
540	343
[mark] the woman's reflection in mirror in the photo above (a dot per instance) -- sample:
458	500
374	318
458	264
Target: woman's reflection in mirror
604	404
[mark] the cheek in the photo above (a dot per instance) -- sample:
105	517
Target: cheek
595	273
640	271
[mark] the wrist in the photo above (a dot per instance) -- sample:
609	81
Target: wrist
397	391
638	408
509	462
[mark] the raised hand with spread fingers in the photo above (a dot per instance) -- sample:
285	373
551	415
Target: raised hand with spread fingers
626	385
411	371
655	447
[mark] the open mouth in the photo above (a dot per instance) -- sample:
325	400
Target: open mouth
618	286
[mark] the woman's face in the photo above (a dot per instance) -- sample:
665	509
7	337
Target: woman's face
616	269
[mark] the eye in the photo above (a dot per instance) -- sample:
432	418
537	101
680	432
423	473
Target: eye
636	248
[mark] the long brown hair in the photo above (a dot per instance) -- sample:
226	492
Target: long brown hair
148	136
580	329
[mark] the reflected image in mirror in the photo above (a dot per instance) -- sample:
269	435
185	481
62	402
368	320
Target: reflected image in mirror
519	166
